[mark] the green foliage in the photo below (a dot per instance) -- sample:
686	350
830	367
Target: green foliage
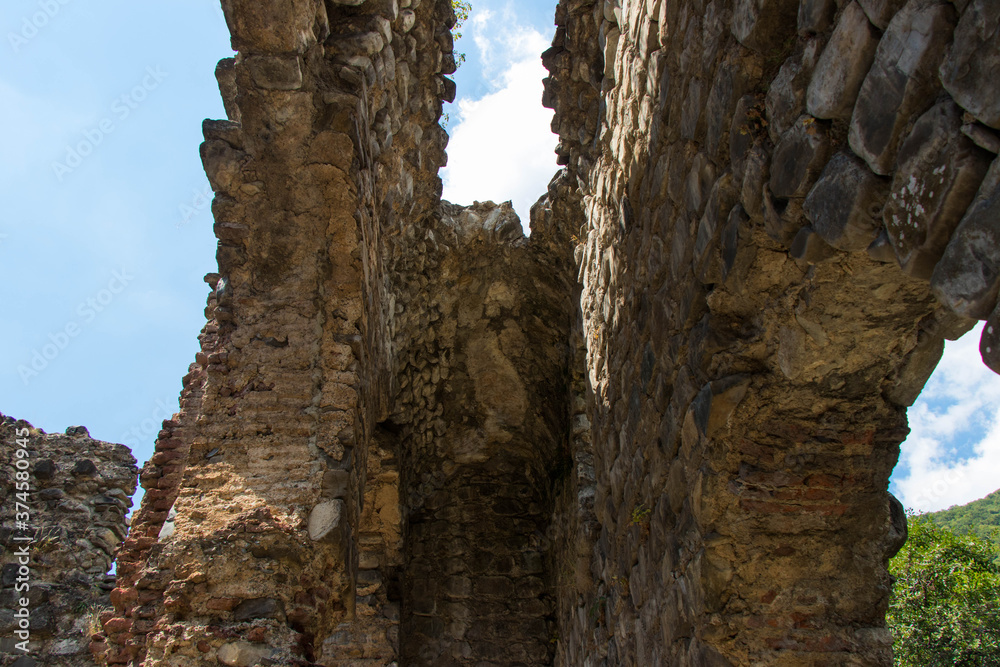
640	514
462	9
981	517
945	605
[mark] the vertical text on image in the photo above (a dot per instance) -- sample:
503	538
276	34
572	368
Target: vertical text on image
23	536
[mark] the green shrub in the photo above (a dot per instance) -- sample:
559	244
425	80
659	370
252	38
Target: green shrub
945	605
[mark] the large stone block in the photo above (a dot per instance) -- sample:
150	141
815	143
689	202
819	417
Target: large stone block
325	521
225	74
276	26
989	342
971	71
842	67
223	164
968	276
880	12
902	82
815	15
939	171
275	72
799	158
763	24
845	205
786	95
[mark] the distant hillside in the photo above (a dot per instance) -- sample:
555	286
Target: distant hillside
980	516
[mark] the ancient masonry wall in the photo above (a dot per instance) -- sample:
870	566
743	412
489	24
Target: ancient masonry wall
361	464
332	133
76	492
658	431
483	354
789	206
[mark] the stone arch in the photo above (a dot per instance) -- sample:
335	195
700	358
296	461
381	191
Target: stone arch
768	278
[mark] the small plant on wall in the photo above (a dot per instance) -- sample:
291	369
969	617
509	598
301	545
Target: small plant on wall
462	9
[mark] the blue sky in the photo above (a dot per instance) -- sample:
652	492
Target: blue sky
102	279
952	455
105	233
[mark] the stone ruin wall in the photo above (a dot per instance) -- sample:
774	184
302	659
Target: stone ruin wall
332	136
789	206
78	492
373	389
657	431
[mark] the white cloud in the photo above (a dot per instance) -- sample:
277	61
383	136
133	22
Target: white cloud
952	455
501	146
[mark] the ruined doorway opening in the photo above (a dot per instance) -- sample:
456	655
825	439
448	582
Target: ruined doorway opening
502	146
952	452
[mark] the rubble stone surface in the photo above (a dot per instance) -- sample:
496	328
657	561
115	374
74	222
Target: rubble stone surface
62	517
656	431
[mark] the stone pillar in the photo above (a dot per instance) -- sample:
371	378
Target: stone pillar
332	138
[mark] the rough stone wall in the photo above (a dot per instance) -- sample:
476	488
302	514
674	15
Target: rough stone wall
658	431
75	493
481	416
283	539
775	193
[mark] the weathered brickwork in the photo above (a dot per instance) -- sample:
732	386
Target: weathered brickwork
658	430
74	493
775	192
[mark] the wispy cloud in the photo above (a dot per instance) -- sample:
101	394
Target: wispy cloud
952	455
501	146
